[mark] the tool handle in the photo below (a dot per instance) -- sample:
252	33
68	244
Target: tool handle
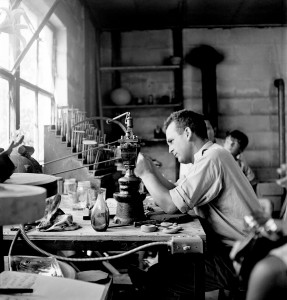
140	223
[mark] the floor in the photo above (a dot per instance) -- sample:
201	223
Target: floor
121	292
123	288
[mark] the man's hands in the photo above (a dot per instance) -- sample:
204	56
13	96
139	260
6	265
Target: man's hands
157	185
144	165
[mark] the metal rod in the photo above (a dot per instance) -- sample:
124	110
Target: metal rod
77	153
85	166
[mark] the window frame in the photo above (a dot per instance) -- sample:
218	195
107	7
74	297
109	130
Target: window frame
15	81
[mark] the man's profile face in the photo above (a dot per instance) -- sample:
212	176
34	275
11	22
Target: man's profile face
178	144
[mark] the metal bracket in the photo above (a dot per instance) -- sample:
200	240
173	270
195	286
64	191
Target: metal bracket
186	244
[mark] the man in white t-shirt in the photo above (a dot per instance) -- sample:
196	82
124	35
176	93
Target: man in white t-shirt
218	192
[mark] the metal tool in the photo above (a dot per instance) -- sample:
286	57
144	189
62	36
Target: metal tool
135	224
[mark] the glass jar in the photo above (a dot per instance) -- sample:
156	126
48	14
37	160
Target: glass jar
100	215
82	194
67	182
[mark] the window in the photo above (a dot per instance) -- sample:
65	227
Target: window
35	79
4	120
28	115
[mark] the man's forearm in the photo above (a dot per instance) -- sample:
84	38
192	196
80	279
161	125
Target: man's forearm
169	185
159	187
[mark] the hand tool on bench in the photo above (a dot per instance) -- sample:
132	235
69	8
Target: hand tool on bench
135	224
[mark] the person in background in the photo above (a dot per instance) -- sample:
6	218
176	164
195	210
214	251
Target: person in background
210	189
211	132
268	279
236	142
6	165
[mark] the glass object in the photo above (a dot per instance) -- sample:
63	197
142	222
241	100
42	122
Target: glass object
82	193
67	183
70	187
92	198
100	215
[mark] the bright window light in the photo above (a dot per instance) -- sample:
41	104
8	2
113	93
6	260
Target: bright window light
4	120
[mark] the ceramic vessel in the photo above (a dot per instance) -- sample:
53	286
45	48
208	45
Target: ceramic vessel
121	96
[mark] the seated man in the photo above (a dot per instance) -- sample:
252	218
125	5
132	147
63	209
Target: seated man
219	194
6	165
268	279
236	142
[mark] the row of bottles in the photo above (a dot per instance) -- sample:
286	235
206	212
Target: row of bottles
82	196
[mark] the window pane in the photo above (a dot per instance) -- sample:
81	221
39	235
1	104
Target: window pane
28	67
4	111
45	79
5	60
44	116
32	14
28	116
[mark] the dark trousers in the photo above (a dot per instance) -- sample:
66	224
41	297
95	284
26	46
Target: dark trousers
174	277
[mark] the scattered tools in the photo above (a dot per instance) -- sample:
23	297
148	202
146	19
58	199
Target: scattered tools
172	229
148	228
135	224
152	226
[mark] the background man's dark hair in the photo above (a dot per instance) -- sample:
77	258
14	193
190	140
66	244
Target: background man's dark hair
187	118
240	137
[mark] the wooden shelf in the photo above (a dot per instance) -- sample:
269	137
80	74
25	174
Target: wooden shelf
151	142
140	68
173	105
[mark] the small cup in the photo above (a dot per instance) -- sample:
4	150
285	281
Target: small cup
72	196
72	192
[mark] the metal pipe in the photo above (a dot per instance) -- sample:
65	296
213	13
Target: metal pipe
85	166
77	153
279	83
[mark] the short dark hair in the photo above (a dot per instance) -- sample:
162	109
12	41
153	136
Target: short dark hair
241	137
188	118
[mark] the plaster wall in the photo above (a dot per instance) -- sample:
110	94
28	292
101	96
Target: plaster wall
246	95
75	61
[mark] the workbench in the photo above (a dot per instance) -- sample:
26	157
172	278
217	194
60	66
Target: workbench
189	241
